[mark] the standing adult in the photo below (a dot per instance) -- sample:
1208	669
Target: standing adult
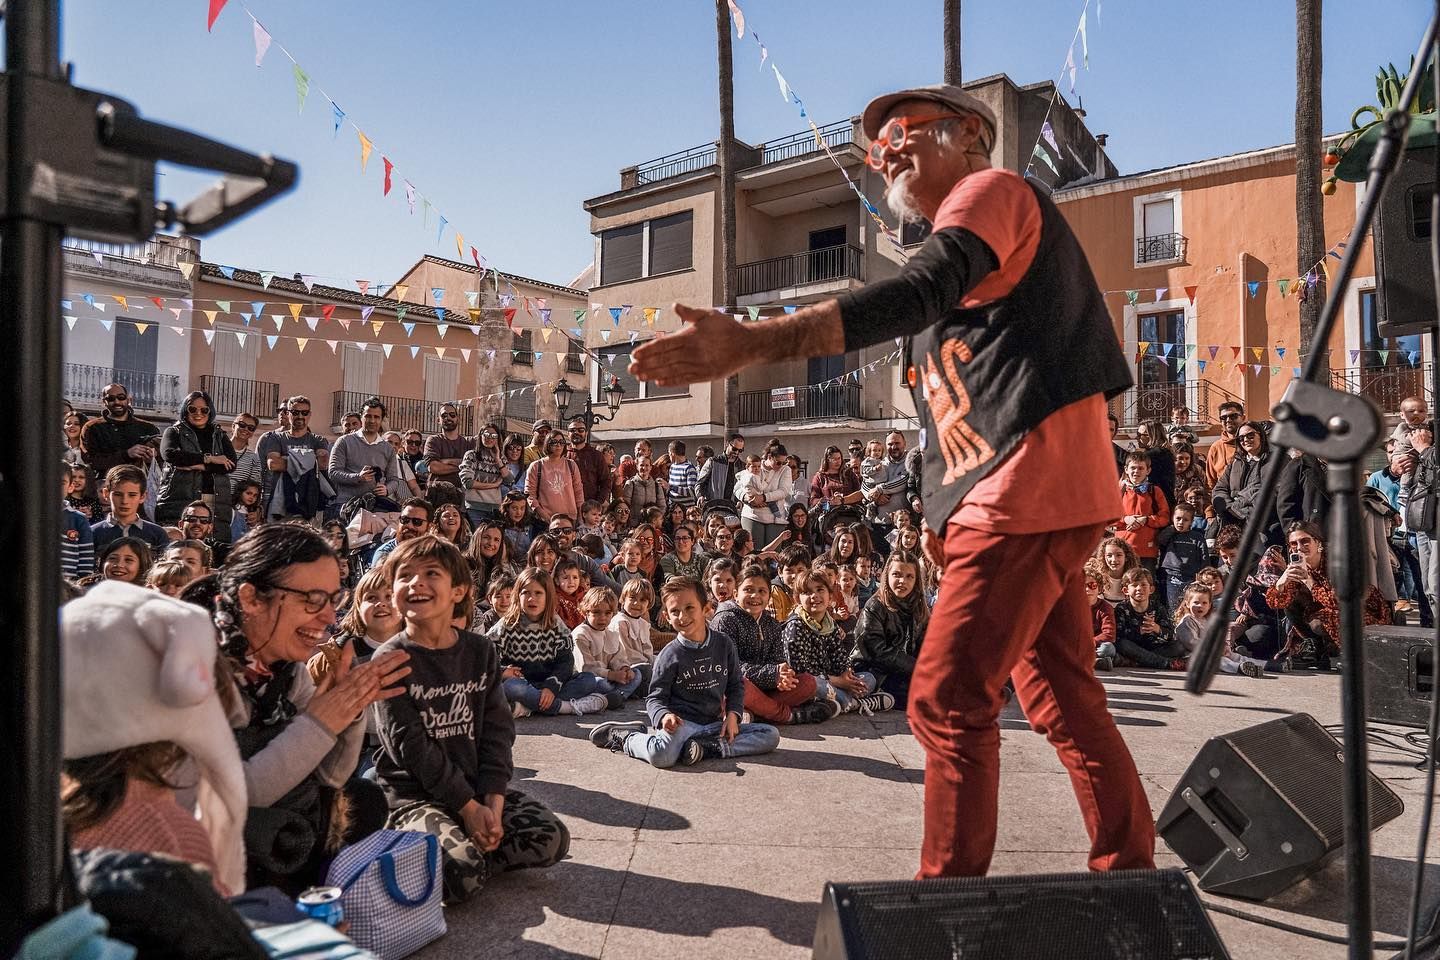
1236	496
888	496
762	501
295	461
1011	389
643	490
834	484
198	458
404	463
1116	448
363	461
117	436
1227	445
595	476
480	476
553	485
716	479
445	450
630	465
535	449
248	468
1422	497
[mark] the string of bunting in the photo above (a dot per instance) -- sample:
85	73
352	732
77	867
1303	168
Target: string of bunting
1047	132
1286	286
737	17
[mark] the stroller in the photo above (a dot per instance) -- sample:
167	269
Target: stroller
367	518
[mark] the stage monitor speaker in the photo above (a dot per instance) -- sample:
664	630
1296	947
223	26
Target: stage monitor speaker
1260	808
1399	661
1130	914
1405	287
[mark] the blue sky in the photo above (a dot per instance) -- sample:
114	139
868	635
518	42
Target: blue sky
509	115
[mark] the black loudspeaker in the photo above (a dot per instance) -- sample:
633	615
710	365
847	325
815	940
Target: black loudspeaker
1405	288
1261	808
1399	661
1130	914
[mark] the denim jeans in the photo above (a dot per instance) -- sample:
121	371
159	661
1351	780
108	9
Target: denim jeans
1106	649
1429	566
661	749
641	681
520	690
847	700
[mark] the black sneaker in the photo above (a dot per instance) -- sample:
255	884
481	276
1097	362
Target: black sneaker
709	748
1104	663
612	734
614	700
816	711
692	753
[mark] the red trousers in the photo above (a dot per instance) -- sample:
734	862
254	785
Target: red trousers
773	706
1014	606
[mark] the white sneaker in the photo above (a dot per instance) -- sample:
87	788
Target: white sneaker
594	703
518	710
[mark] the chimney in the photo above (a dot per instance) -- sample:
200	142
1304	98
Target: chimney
1100	141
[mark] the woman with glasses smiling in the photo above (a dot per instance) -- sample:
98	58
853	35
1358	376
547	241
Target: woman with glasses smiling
300	742
198	458
1237	492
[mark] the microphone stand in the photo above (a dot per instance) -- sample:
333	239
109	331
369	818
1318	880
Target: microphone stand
1339	428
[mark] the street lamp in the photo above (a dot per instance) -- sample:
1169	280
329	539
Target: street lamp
614	393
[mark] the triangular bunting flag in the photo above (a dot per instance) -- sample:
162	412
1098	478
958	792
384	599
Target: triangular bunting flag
302	85
344	322
337	117
158	301
651	313
545	316
509	314
389	168
400	312
224	305
327	310
210	316
1259	352
363	286
1200	364
605	335
312	322
387	347
414	351
140	328
579	315
376	325
1255	368
465	352
295	310
365	313
615	315
1160	293
107	324
271	340
209	336
1133	296
1190	293
1354	357
300	343
279	319
1254	287
1384	357
265	277
70	322
1235	353
309	282
1280	352
215	7
365	147
440	328
472	298
409	328
240	336
398	291
439	313
332	344
1143	346
1284	286
124	303
187	267
1274	371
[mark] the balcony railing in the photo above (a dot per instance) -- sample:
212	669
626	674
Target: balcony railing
1164	246
798	269
673	165
402	413
839	402
802	144
574	363
149	392
1386	386
232	396
1154	401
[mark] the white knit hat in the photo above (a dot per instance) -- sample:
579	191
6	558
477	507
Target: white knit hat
139	668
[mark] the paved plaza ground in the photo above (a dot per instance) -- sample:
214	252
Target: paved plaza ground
727	859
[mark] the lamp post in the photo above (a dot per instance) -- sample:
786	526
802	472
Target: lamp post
614	393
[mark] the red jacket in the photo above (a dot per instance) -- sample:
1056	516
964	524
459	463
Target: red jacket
1153	506
1102	621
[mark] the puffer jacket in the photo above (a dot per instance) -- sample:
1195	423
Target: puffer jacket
1420	495
886	641
180	446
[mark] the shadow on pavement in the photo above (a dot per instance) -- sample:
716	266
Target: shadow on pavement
814	760
595	806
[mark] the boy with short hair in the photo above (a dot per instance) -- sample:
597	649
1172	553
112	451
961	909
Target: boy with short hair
590	519
445	761
794	563
1144	628
696	697
1144	509
683	476
125	490
1182	552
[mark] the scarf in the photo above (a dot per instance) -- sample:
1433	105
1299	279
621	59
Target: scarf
824	626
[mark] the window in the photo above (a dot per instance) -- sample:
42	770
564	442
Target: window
523	348
574	363
1162	330
622	253
614	361
232	359
662	245
136	351
1158	234
361	369
520	405
442	379
914	231
670	246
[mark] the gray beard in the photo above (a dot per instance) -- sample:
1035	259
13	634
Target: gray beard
900	201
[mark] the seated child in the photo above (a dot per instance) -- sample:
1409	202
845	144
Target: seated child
720	577
891	628
1145	509
1102	615
625	565
594	546
794	566
499	596
1194	611
696	697
168	577
538	655
632	620
1183	552
865	583
445	762
813	644
774	692
619	673
1118	560
1144	629
846	605
569	591
590	520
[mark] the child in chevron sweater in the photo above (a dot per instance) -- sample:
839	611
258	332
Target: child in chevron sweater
537	655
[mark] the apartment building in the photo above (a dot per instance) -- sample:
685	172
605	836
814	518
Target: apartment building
802	236
1224	228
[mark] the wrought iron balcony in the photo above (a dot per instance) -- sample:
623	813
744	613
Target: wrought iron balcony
232	396
1154	401
798	269
837	402
800	144
149	392
402	413
1161	247
1387	386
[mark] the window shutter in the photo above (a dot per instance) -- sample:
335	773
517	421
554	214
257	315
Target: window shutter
621	253
670	243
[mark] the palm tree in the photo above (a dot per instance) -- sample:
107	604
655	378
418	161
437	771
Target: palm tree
952	41
726	72
1309	209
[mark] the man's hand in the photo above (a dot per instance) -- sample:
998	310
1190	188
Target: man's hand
711	346
670	722
139	451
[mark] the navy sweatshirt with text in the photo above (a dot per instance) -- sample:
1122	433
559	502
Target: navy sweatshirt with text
698	682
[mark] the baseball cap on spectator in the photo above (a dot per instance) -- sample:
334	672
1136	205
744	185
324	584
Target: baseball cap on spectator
542	425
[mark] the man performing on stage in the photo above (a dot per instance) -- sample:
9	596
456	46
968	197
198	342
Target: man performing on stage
1011	359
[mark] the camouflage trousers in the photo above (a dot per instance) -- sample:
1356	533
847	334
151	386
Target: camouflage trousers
533	837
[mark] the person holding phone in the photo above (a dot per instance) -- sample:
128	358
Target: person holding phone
1305	595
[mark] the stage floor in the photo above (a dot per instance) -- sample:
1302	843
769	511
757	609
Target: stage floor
727	859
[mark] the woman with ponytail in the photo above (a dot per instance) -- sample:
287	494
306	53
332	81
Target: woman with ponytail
300	742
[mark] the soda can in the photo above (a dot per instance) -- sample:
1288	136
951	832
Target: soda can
323	904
